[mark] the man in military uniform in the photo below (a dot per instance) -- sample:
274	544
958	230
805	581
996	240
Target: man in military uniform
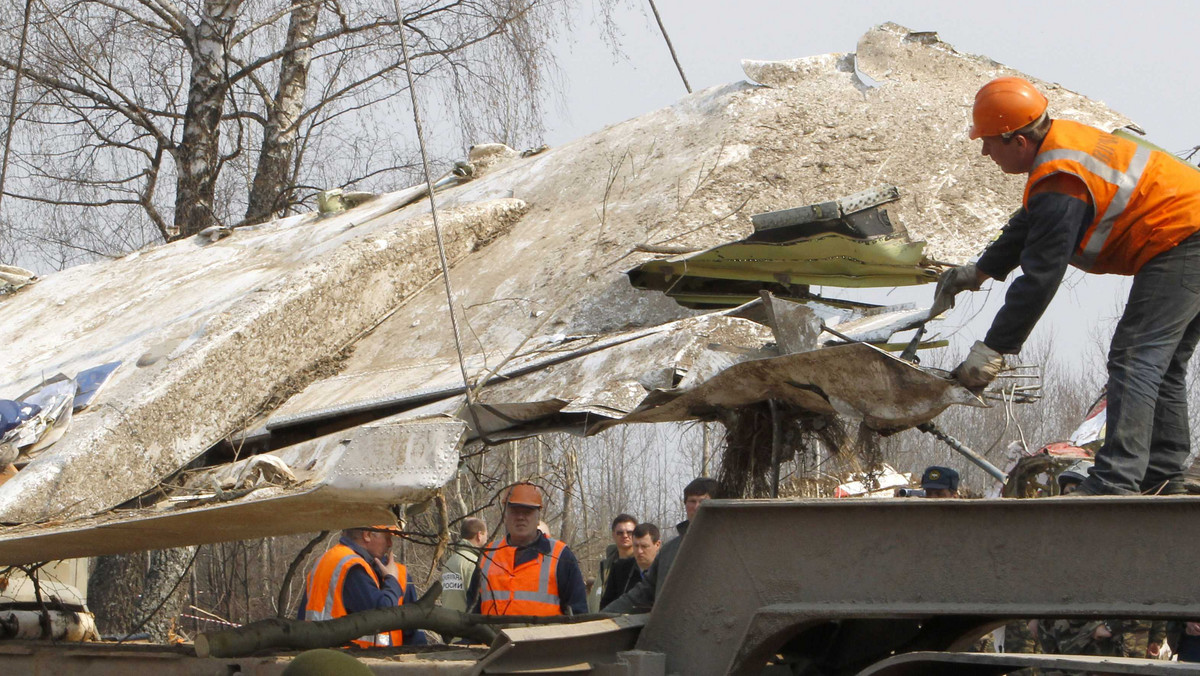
1142	638
1079	637
460	564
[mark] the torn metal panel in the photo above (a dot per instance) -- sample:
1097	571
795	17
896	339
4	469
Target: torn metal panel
857	381
53	404
13	278
692	369
89	382
698	369
878	325
340	481
416	384
856	215
244	316
796	326
560	648
825	260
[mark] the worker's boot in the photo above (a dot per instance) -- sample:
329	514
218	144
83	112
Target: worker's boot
1168	487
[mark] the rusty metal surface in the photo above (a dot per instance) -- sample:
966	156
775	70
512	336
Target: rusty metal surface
993	664
560	648
758	577
30	658
344	480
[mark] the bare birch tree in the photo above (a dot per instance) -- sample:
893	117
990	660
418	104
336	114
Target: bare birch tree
142	120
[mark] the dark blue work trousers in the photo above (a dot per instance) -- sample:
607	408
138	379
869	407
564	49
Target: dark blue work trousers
1148	440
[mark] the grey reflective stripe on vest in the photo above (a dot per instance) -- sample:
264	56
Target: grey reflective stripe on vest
377	640
1126	183
326	612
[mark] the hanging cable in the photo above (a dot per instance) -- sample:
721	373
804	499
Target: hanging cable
437	230
670	47
12	105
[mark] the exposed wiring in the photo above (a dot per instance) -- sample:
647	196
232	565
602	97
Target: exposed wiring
437	230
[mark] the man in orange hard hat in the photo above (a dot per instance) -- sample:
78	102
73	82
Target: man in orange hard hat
1105	204
526	572
359	573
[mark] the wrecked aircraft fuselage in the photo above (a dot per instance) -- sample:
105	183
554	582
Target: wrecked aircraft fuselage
283	333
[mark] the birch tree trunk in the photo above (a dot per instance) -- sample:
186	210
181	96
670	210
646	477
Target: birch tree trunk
164	592
198	155
114	586
273	180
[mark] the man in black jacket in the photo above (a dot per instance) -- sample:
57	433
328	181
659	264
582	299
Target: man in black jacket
628	572
641	598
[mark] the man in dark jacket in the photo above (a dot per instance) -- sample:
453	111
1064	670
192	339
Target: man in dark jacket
640	599
1107	205
628	572
620	548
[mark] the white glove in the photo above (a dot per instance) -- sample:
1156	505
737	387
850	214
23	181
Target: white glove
951	283
980	368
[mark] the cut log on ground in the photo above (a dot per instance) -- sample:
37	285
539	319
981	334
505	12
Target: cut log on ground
276	633
53	625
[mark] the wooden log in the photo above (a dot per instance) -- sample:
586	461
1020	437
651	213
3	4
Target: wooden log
306	635
62	625
303	635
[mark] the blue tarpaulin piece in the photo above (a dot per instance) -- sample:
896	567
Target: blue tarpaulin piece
88	383
13	413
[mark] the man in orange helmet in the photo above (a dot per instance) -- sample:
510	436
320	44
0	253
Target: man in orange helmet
359	573
1104	204
526	572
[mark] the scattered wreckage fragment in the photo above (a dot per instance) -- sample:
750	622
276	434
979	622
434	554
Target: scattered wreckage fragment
690	369
848	242
39	417
337	481
12	279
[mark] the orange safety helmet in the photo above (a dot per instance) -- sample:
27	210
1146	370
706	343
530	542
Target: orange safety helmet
1005	105
525	495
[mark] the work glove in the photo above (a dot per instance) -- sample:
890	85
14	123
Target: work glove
951	283
980	368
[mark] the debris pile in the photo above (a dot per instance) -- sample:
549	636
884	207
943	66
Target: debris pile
214	332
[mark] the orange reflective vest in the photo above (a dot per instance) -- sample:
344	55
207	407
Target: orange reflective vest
1145	201
325	591
529	589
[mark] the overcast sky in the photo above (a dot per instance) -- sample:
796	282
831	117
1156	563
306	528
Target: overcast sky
1139	58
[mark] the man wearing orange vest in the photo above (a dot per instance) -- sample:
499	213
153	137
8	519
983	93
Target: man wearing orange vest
357	574
1105	204
526	572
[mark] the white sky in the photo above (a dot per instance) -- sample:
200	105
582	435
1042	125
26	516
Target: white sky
1138	58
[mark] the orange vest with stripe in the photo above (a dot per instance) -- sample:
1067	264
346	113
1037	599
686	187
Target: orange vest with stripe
528	589
325	591
1145	201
